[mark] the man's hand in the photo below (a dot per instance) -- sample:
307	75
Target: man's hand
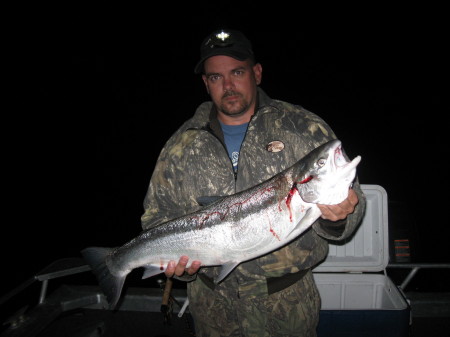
340	211
180	268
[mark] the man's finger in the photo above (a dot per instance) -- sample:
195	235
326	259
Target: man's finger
170	269
181	266
195	266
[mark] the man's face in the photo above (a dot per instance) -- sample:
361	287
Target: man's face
232	85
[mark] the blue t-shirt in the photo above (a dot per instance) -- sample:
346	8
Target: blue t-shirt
234	135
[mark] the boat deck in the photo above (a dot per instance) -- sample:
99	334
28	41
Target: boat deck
79	310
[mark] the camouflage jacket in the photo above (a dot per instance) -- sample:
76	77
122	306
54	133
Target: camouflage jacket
194	162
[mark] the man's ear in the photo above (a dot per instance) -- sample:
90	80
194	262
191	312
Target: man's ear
257	70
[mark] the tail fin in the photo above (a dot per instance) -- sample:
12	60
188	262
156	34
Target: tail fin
111	285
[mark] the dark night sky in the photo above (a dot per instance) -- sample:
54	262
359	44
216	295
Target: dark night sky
93	107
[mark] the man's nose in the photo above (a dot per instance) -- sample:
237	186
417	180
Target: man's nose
228	83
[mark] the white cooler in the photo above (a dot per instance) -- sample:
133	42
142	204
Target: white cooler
358	298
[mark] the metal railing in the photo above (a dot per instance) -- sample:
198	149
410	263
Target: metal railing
415	267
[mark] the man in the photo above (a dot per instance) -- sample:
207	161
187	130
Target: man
227	147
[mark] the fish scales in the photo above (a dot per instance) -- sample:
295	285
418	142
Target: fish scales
235	228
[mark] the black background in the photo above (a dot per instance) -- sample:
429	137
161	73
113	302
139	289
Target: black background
92	94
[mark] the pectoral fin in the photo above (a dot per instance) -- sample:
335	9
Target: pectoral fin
305	222
226	269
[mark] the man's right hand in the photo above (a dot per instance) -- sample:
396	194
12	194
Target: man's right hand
180	268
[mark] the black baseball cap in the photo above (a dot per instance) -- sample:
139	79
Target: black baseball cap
227	42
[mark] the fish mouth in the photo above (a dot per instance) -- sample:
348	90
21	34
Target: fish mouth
329	183
340	162
334	179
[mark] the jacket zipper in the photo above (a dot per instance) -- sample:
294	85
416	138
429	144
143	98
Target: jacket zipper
224	147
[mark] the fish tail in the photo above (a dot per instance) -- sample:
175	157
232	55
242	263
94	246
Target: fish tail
111	285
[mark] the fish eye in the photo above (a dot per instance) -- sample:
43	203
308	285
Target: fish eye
321	162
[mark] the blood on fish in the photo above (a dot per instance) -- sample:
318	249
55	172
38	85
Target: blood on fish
292	192
289	199
275	234
304	181
271	229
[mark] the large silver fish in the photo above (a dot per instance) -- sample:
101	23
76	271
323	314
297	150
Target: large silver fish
234	228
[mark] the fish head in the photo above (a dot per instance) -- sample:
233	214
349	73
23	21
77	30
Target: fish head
329	174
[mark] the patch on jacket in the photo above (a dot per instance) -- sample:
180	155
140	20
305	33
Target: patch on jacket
275	146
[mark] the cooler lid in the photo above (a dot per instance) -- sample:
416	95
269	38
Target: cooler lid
368	249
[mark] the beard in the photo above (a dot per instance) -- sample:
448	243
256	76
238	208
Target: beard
236	107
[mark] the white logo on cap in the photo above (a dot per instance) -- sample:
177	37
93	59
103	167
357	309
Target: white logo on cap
222	35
